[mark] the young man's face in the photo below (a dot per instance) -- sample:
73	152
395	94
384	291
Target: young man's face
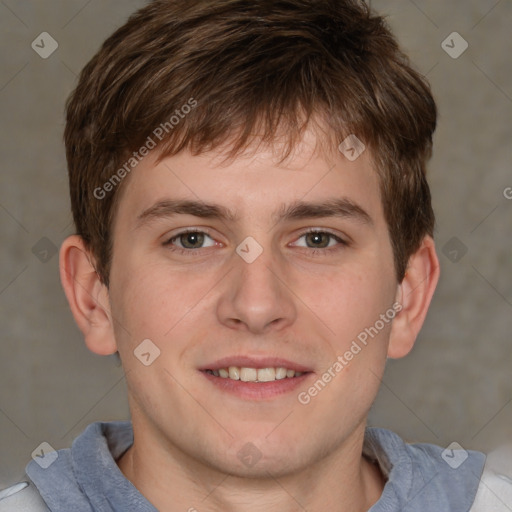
207	306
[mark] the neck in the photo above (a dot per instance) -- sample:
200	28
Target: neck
343	481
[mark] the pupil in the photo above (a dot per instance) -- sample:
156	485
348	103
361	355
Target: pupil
316	239
191	240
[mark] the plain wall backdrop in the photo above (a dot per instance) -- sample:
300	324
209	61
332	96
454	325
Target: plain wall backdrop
456	384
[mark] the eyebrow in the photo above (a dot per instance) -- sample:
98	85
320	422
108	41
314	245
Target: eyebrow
298	210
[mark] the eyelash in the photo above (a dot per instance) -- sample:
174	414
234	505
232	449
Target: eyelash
312	251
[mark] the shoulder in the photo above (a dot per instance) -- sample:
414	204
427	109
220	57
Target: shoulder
422	476
495	490
22	497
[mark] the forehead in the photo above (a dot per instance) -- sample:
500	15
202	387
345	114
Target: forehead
256	183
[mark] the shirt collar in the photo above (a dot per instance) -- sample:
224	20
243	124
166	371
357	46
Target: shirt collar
417	475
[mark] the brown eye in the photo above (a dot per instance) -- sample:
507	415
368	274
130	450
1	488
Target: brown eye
191	240
320	242
318	239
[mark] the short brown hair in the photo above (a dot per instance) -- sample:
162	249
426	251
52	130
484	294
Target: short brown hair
251	67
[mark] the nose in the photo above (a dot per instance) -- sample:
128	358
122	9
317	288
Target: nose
256	297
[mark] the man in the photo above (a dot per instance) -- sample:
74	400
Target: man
254	238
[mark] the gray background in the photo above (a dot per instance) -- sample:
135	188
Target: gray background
456	384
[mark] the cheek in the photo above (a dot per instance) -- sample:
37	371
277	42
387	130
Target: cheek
139	300
150	301
348	301
146	289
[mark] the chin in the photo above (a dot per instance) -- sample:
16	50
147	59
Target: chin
264	459
265	468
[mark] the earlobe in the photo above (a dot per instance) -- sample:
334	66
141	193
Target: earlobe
414	294
87	296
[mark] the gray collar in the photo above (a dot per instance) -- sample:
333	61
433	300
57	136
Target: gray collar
86	477
418	476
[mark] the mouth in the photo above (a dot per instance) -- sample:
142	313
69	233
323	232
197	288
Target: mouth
253	379
247	374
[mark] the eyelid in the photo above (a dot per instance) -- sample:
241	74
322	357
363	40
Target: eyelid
344	240
169	238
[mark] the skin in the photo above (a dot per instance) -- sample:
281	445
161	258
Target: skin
197	308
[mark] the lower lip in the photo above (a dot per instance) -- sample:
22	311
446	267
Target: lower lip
257	390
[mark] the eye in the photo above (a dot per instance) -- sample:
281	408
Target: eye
191	239
317	239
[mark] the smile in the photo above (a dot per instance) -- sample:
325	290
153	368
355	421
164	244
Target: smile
246	374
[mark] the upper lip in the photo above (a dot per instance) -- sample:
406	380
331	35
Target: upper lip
255	362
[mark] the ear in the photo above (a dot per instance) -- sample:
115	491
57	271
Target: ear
87	296
414	294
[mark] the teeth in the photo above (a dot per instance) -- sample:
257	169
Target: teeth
248	374
234	373
266	374
255	374
280	373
